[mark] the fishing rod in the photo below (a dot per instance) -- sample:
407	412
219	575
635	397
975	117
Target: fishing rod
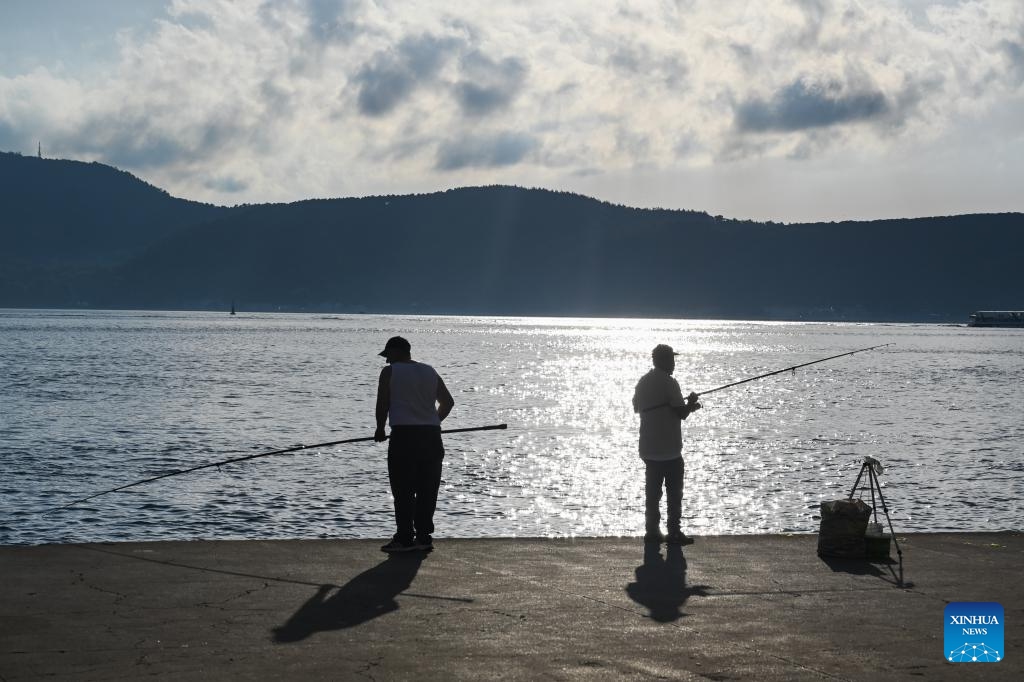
788	369
778	371
233	460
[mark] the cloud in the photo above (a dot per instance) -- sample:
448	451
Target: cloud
660	70
744	55
130	144
802	105
227	184
12	137
39	106
1014	52
486	151
814	13
488	85
135	143
627	59
333	20
393	74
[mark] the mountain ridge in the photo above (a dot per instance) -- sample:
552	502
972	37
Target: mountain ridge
487	250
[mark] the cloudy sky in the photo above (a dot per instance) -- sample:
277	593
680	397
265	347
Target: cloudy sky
769	109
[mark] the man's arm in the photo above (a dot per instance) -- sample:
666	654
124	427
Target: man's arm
682	408
445	402
383	403
689	407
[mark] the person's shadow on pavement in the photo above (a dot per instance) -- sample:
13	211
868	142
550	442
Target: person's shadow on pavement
661	583
368	595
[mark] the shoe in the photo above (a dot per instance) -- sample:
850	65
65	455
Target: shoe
397	545
424	543
679	538
654	537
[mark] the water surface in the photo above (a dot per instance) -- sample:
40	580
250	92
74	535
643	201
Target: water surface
93	400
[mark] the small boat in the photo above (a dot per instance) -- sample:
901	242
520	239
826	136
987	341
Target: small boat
997	318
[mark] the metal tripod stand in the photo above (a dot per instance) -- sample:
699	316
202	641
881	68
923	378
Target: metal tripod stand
872	467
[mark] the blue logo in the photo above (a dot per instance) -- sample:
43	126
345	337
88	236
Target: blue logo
974	632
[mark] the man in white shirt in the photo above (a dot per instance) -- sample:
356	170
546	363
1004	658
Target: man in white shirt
660	404
414	400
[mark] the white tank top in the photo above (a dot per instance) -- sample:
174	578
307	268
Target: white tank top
413	395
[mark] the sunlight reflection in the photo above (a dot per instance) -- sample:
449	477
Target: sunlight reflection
741	457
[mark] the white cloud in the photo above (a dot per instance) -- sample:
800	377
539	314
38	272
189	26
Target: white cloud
253	101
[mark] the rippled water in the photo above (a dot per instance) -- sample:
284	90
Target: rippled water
93	400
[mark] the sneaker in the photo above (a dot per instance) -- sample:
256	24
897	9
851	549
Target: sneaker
397	545
424	543
654	536
677	537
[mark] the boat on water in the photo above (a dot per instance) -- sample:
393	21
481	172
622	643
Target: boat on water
997	318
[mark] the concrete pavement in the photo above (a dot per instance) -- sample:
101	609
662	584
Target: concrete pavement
728	607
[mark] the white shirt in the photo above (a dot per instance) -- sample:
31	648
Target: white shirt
661	436
413	395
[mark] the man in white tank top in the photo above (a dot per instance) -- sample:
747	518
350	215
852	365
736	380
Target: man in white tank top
412	397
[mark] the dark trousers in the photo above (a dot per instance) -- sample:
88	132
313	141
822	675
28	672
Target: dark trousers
415	454
670	475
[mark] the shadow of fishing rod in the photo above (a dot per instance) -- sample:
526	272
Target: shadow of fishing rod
246	458
240	574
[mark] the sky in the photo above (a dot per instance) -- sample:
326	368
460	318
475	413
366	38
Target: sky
785	110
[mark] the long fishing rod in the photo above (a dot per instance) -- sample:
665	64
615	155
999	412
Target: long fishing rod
788	369
778	371
233	460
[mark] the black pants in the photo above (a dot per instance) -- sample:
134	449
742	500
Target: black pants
415	454
670	475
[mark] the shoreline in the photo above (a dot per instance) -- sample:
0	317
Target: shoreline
270	310
502	538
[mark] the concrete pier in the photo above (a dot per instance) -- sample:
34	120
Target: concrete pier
724	608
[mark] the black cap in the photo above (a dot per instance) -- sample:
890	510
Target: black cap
396	345
663	351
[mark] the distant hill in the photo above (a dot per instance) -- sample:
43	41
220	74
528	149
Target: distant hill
487	250
56	211
62	223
